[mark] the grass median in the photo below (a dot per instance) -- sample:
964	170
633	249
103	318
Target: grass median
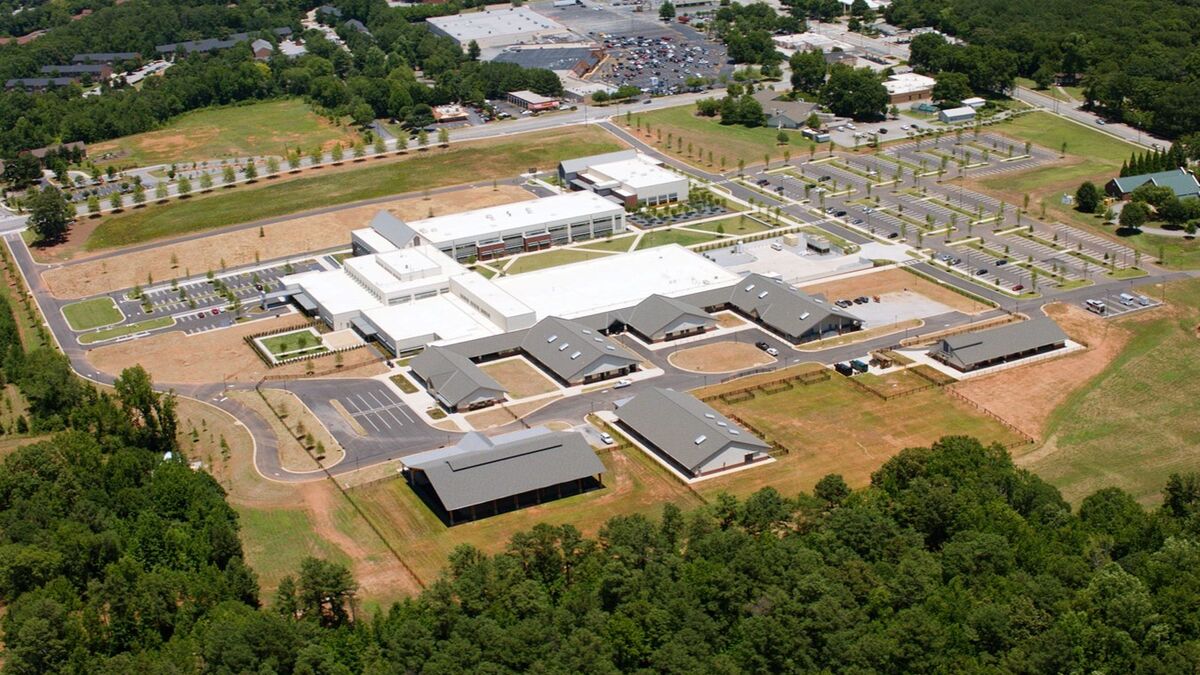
416	171
127	329
94	313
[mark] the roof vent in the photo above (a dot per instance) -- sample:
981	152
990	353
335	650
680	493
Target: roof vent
564	346
710	416
551	339
575	355
586	331
597	339
610	348
735	432
700	439
749	288
762	295
804	316
722	424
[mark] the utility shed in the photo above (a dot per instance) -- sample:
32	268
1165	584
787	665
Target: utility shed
692	437
1004	344
483	476
456	382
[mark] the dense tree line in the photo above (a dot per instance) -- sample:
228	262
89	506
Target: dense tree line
738	107
746	30
1152	161
20	17
987	69
952	561
376	78
1137	59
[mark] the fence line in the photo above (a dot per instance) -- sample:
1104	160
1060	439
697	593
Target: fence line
983	409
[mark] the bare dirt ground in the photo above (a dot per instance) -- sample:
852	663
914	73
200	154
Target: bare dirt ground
379	575
888	281
519	377
173	358
1025	397
729	320
243	247
299	420
720	357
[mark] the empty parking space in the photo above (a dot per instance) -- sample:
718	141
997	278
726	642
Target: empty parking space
377	409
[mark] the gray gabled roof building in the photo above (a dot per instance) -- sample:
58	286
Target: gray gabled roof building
795	315
660	318
688	433
213	44
105	57
993	346
454	380
574	353
480	475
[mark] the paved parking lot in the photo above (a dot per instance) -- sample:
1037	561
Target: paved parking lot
377	409
1117	307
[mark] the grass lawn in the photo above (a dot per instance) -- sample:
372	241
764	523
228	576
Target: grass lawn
413	172
733	225
728	142
226	132
303	340
834	427
1050	131
277	540
616	244
406	385
126	329
1134	424
519	377
93	313
632	484
551	258
28	322
664	237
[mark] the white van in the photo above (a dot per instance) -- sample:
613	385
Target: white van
1127	299
1096	306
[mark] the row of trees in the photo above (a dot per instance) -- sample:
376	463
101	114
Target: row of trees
1156	160
1136	59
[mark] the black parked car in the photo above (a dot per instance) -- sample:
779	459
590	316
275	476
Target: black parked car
762	345
844	368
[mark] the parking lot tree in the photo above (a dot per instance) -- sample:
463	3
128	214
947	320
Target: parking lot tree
160	191
206	182
50	213
250	171
272	165
423	138
115	201
1087	197
93	204
666	11
360	150
380	146
808	70
337	153
401	142
228	175
139	194
184	186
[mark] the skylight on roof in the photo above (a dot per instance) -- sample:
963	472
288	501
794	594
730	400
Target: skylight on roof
700	439
735	432
710	416
610	348
804	316
762	295
575	355
749	288
563	346
551	339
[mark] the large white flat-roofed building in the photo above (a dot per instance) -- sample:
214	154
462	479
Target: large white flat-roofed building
905	87
497	27
616	282
634	179
497	231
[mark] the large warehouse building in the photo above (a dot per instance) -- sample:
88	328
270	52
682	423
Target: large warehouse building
498	231
630	176
494	28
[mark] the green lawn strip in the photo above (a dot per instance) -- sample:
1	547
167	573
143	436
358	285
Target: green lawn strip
94	313
729	141
664	237
292	341
420	171
616	244
736	225
1050	131
262	128
487	272
551	258
1133	424
277	540
126	329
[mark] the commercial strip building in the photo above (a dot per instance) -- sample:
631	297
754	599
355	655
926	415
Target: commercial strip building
629	176
493	28
687	434
906	87
483	476
1181	182
994	346
533	102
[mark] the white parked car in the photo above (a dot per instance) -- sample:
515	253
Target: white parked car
606	438
772	351
621	384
